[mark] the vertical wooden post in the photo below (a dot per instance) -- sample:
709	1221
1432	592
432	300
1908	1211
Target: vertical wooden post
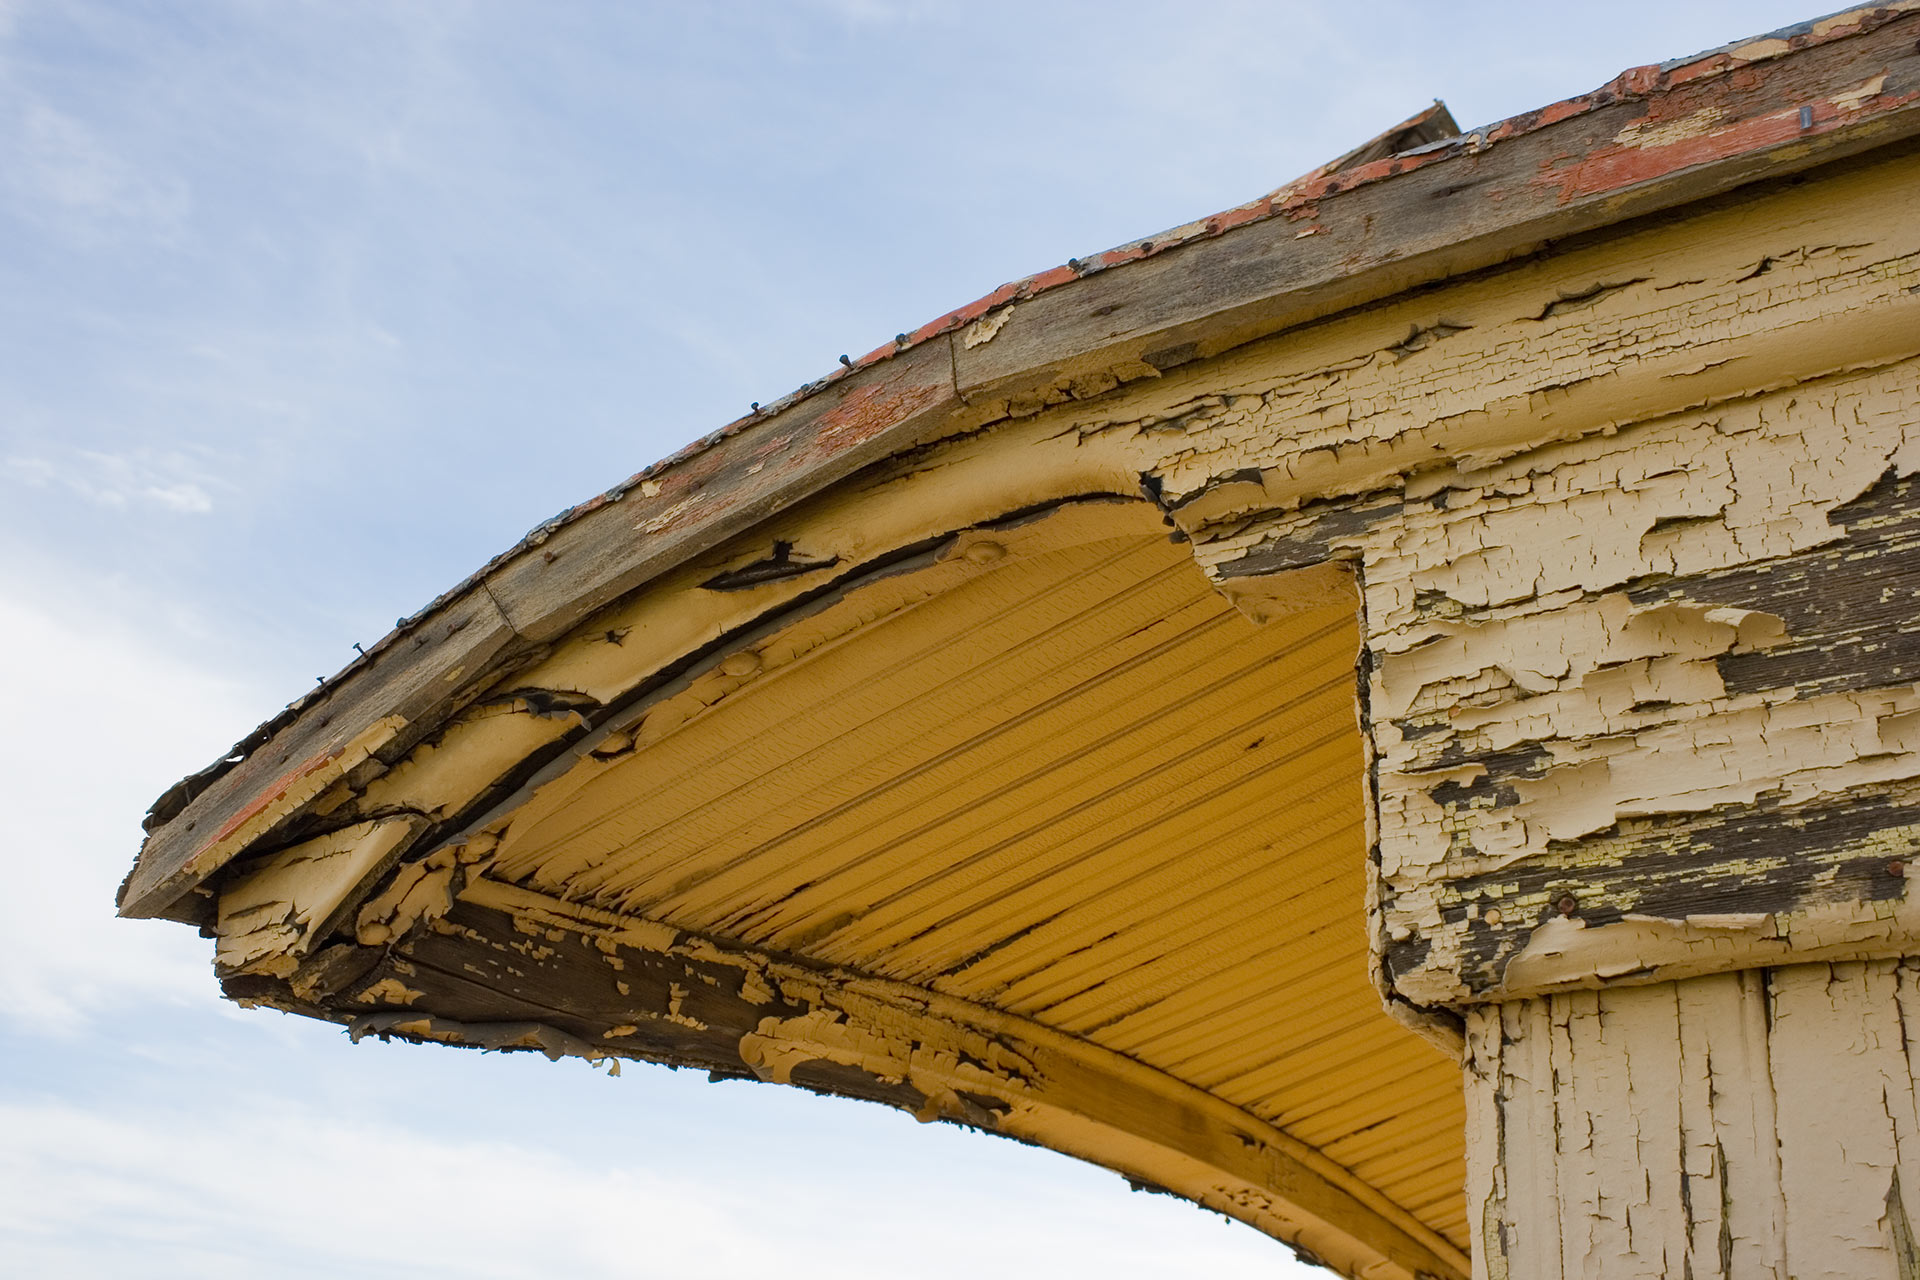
1739	1126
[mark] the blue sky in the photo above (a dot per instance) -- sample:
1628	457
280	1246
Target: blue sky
306	309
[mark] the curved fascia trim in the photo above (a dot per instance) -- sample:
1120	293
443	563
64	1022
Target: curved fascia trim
1654	139
942	1057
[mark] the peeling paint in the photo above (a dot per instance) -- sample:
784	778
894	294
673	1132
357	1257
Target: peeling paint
1755	79
1625	533
983	330
1759	1124
271	916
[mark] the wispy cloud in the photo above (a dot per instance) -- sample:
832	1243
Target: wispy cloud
65	177
104	723
167	480
93	1193
214	1190
878	12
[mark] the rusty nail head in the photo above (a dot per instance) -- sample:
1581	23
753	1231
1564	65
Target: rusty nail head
1896	868
1566	904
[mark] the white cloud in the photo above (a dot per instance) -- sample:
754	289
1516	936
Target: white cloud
180	497
63	176
220	1192
167	480
244	1186
879	12
99	721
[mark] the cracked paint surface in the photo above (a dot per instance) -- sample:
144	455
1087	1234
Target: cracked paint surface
1549	630
1761	1124
1854	72
1590	723
478	975
1021	775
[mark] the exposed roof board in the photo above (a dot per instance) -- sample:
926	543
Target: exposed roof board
840	750
1654	137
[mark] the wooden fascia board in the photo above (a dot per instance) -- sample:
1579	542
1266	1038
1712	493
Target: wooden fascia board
1396	224
1654	140
440	659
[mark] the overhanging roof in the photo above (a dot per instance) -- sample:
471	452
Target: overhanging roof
1654	138
843	750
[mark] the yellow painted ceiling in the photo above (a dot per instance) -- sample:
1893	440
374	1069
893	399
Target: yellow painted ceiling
1078	787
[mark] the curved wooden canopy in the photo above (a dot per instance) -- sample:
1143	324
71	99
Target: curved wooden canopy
890	741
1020	825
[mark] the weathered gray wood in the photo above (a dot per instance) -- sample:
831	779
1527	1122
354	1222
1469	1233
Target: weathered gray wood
1852	611
1775	859
1428	125
1375	230
737	483
1852	607
422	675
1470	207
446	655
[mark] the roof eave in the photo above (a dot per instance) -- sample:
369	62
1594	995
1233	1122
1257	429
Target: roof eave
1652	140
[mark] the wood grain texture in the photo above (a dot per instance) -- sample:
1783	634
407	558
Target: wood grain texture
505	969
1751	1126
1347	244
440	660
410	686
1040	768
1658	139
